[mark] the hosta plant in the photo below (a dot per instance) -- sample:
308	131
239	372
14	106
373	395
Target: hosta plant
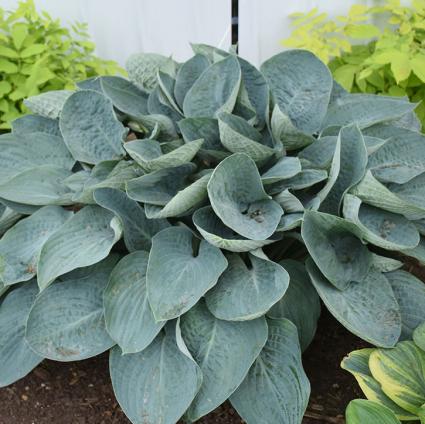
191	218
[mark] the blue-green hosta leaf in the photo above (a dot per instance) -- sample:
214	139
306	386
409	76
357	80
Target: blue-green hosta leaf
286	167
213	54
165	91
339	254
417	252
384	264
153	123
48	104
21	245
351	171
178	276
300	304
224	351
90	129
92	83
125	95
244	293
16	357
215	90
83	240
419	336
412	192
276	389
67	322
148	154
158	384
360	411
384	229
216	233
137	229
238	198
304	179
368	309
159	104
290	221
301	86
289	202
30	124
129	318
20	208
239	137
8	217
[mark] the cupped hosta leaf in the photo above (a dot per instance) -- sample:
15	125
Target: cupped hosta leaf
290	221
384	264
304	179
289	202
215	90
148	154
30	124
83	240
21	245
300	304
155	123
125	96
301	86
129	318
379	227
368	309
240	137
92	83
244	293
419	336
137	229
67	322
412	192
286	167
360	411
351	171
159	187
213	54
216	233
178	273
276	389
158	384
20	208
339	254
401	373
224	351
158	103
16	357
8	217
48	104
238	198
90	129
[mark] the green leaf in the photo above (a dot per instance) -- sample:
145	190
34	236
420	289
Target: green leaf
361	411
400	66
48	104
418	66
7	66
32	50
361	31
345	74
19	34
8	52
419	336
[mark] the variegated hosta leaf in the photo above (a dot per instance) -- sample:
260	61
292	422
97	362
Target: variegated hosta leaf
148	154
286	167
276	389
300	304
48	104
357	363
216	233
239	137
244	293
90	129
83	240
179	273
360	411
419	336
301	86
224	351
158	384
129	318
368	308
21	245
16	357
30	124
215	90
384	229
67	322
339	254
351	171
238	198
137	229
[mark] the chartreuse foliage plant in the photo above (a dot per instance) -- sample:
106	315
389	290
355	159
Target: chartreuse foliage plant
38	54
384	58
190	219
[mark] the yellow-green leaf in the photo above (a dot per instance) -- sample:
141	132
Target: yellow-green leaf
7	67
19	33
361	31
5	87
344	75
8	52
400	66
33	50
418	66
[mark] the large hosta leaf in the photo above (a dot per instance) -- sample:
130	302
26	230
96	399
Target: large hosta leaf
340	255
238	198
360	411
276	389
83	240
90	129
419	336
300	304
129	318
16	357
368	308
301	85
30	124
412	192
158	384
284	168
244	293
224	351
67	322
178	273
48	104
21	245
